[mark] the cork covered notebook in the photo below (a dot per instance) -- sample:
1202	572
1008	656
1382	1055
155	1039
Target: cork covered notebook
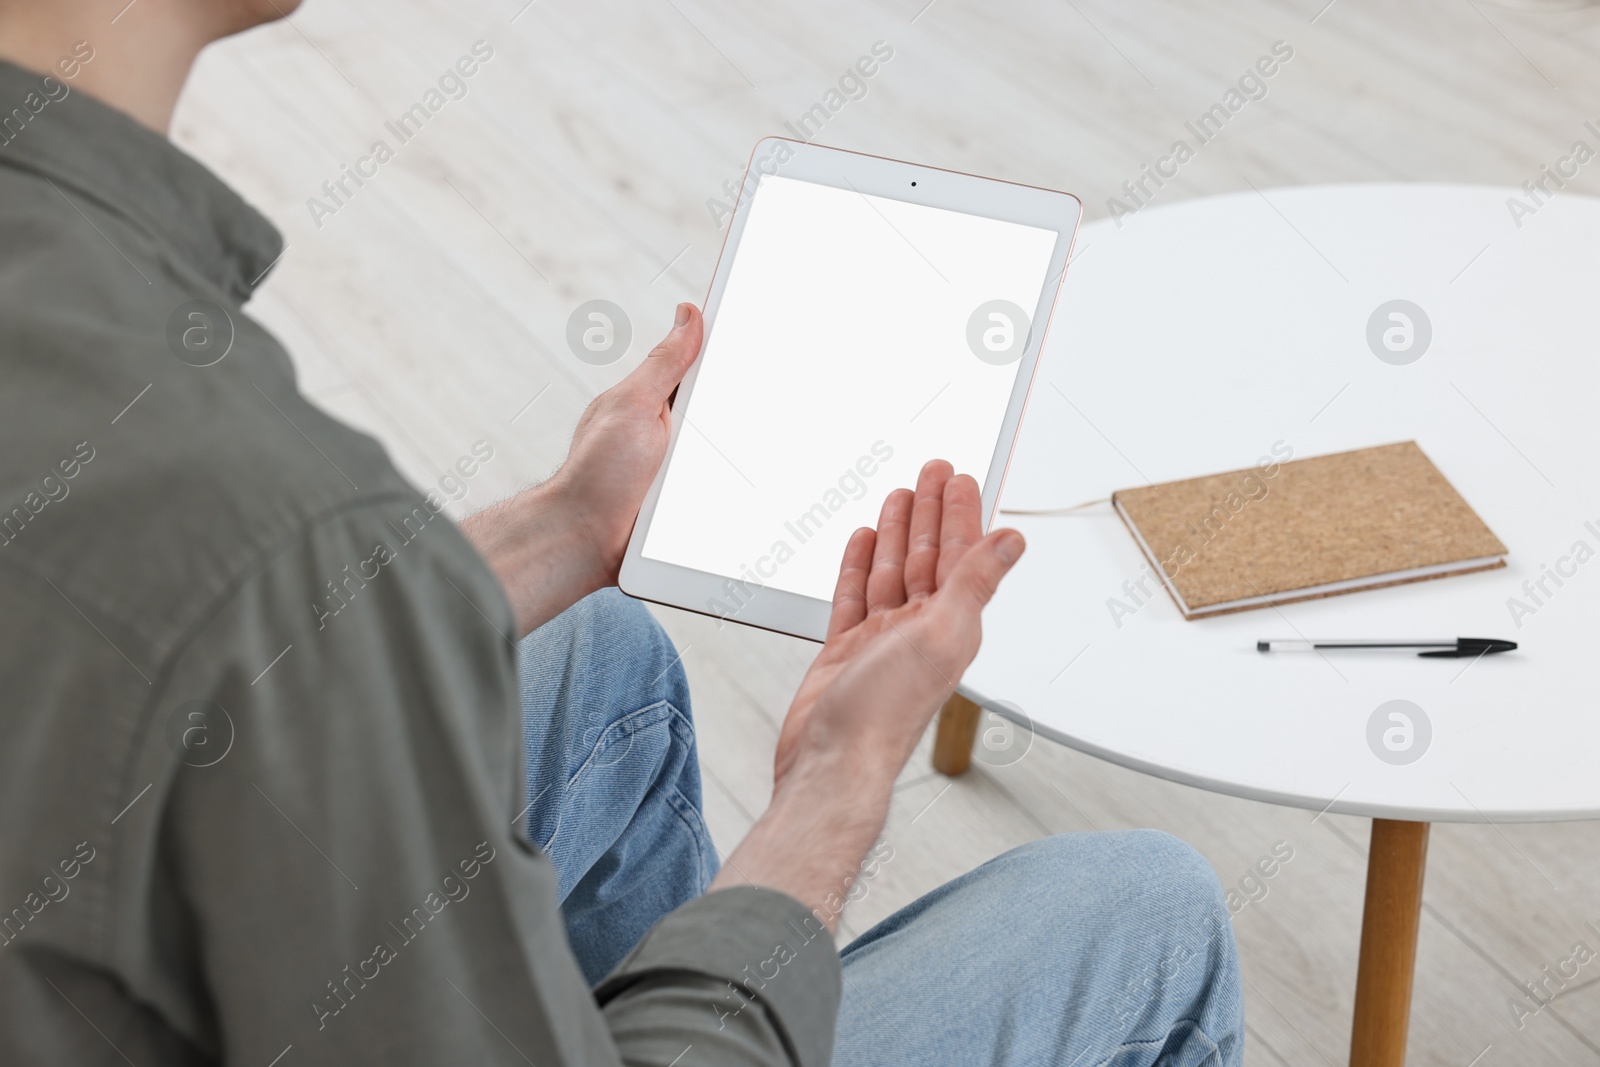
1281	532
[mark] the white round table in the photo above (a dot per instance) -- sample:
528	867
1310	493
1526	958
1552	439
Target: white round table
1191	340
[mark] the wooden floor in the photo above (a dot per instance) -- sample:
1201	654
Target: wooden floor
429	306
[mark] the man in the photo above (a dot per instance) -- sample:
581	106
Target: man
294	771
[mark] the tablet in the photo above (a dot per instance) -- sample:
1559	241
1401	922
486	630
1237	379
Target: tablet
866	316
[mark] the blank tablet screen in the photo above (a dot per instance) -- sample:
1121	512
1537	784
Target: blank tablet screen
852	344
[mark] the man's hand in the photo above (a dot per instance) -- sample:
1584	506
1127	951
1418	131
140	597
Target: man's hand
905	626
556	543
620	442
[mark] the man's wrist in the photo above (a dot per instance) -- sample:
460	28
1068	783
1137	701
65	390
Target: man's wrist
537	545
810	842
585	542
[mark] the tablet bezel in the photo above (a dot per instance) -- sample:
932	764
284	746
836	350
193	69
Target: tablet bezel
777	609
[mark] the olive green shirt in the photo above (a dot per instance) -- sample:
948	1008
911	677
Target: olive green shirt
261	773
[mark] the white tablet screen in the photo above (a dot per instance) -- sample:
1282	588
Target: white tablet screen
838	363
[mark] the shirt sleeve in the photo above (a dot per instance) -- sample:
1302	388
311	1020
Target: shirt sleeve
336	862
699	959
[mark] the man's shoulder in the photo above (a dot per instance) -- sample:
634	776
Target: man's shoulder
52	246
147	473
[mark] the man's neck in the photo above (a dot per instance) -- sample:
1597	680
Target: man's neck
142	52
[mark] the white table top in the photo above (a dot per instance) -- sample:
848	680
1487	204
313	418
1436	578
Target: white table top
1190	340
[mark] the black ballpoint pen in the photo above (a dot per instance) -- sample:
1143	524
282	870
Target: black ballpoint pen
1456	649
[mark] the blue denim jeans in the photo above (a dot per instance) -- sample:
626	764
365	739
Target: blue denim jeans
1079	950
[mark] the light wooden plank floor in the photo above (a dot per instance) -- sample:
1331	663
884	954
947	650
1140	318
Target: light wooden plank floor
430	307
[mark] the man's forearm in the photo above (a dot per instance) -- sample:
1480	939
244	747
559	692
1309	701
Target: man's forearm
541	553
810	842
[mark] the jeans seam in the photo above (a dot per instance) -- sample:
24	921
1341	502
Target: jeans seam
695	823
626	726
662	712
1158	1042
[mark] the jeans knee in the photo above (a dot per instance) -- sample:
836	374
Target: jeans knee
1189	882
1135	879
1174	888
640	646
613	611
613	650
1156	912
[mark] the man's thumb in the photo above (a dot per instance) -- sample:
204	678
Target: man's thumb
977	574
670	360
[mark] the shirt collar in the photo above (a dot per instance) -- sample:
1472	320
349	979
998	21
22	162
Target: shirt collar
101	153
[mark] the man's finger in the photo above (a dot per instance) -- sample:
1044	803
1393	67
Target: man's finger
922	547
850	594
977	574
670	360
886	585
961	522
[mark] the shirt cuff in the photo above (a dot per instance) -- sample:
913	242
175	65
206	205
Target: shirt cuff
765	950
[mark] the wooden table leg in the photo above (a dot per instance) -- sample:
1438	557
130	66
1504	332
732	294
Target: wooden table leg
1395	864
953	738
